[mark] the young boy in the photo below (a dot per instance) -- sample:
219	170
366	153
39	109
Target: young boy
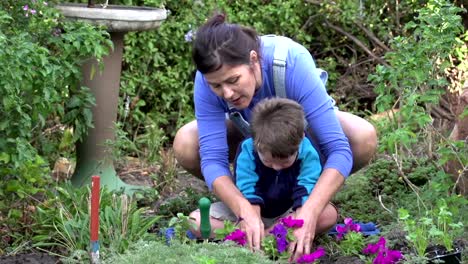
277	168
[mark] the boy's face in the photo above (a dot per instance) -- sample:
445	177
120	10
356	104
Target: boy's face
277	163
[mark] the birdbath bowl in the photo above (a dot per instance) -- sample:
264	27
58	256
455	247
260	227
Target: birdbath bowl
94	155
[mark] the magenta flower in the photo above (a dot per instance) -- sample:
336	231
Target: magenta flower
289	222
387	256
349	226
374	248
310	258
237	236
384	254
25	7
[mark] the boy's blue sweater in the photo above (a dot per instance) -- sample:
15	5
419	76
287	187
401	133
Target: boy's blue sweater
276	191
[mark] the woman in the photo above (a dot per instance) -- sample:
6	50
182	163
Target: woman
235	71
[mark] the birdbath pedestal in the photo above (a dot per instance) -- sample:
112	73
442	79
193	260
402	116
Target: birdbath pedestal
94	155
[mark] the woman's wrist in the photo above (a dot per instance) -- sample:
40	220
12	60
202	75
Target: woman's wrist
227	192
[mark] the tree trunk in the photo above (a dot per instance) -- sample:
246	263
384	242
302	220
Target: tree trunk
460	132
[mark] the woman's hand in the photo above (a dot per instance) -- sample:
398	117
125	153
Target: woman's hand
251	223
304	235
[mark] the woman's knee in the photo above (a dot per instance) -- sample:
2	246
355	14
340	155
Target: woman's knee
194	218
362	137
185	144
367	140
327	219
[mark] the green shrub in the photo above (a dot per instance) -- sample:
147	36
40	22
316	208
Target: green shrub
40	95
415	79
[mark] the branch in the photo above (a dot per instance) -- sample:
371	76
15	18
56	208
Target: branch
357	41
313	2
371	35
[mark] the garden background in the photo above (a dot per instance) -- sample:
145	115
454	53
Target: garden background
400	64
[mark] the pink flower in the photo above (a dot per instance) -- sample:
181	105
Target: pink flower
310	258
25	7
289	222
237	236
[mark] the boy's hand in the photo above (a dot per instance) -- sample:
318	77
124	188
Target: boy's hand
251	223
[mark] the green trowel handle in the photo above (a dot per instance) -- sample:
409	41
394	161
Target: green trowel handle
205	226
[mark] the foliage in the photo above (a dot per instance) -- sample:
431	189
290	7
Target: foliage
62	221
40	95
227	229
387	181
157	74
184	203
203	253
415	79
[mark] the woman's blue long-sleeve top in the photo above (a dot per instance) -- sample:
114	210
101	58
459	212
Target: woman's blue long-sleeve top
276	191
303	85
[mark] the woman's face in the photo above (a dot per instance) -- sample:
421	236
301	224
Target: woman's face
235	84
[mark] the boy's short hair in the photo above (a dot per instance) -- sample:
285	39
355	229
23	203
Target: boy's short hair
277	126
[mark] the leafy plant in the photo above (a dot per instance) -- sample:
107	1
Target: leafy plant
121	221
446	229
182	223
437	227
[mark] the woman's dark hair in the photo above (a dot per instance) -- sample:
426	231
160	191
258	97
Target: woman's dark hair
218	42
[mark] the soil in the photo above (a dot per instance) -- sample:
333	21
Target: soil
29	258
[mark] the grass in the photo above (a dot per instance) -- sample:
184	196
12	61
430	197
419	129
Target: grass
202	253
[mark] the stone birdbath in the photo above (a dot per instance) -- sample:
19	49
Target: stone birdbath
94	155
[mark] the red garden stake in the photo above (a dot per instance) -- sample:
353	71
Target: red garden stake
94	224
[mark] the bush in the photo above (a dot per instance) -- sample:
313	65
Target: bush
40	95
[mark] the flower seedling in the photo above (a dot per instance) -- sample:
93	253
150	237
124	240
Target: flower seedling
276	243
446	230
437	228
181	224
350	239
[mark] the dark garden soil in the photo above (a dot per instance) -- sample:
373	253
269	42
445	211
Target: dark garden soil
29	258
